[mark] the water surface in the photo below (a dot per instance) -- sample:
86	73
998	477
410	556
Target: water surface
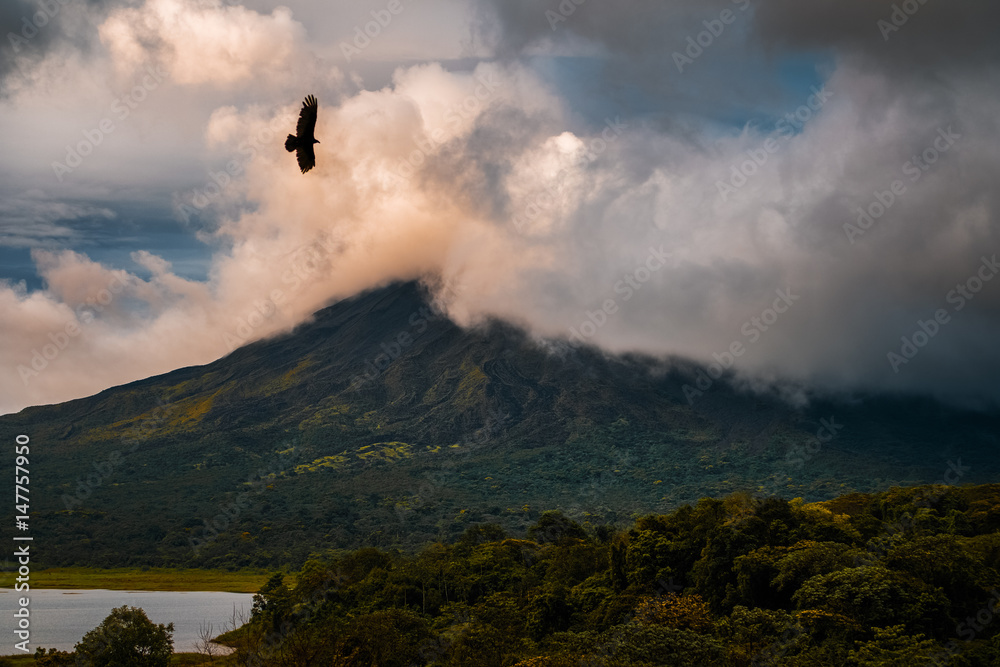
60	618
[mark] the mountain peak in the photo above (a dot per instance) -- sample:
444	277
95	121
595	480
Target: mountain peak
381	421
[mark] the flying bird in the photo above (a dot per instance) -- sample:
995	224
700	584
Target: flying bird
302	144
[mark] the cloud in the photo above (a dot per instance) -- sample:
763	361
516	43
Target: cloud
354	223
36	31
204	41
678	238
28	30
31	218
913	35
913	38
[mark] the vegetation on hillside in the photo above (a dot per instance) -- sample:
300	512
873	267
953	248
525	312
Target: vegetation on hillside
339	434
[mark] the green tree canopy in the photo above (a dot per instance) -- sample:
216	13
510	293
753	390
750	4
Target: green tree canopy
127	638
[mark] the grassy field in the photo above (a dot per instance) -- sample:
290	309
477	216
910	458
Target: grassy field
19	660
152	579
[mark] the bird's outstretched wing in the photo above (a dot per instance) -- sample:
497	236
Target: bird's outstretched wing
303	142
307	121
306	157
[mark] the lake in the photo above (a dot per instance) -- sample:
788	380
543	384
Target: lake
60	618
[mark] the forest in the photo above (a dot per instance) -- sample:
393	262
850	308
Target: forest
909	576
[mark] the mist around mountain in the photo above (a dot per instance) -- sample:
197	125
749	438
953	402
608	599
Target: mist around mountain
381	423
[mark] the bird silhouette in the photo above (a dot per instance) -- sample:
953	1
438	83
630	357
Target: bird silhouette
301	143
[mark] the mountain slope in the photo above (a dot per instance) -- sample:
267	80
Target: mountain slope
380	423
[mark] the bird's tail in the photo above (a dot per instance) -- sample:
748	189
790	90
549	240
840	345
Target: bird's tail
291	143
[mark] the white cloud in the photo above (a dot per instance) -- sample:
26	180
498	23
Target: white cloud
205	41
426	177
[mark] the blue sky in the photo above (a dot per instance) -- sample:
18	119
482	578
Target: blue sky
514	193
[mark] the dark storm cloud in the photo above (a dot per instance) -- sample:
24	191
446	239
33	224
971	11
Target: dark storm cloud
901	31
632	26
911	36
638	52
27	31
901	73
31	29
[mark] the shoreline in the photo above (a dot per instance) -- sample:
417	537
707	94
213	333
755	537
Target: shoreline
139	579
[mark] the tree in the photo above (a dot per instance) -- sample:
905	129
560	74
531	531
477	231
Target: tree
481	533
640	644
759	636
205	645
387	638
876	596
127	637
50	658
684	612
554	526
768	576
893	647
272	603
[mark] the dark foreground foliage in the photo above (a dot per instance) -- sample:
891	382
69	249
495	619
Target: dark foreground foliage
126	638
905	577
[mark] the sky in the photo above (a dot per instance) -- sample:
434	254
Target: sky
800	194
